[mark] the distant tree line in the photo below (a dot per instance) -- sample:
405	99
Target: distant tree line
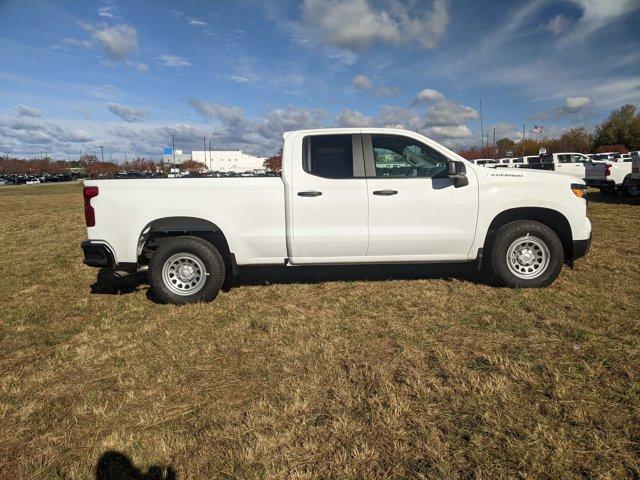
89	163
619	132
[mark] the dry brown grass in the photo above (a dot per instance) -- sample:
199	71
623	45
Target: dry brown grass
432	374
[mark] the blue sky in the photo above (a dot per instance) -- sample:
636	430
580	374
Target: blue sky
129	74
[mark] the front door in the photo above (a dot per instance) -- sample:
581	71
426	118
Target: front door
415	211
329	200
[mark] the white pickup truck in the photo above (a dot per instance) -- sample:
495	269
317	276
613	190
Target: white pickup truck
611	176
346	196
567	163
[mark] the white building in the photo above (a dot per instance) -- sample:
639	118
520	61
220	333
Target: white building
228	160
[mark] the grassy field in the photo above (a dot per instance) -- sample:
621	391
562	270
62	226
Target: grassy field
383	372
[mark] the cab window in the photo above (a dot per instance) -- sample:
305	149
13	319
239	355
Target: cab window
397	156
329	156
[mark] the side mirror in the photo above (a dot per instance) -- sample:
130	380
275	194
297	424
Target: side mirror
456	171
452	168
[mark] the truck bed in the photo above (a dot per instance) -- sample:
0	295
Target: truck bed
250	208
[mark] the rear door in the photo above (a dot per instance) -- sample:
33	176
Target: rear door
571	164
329	211
415	212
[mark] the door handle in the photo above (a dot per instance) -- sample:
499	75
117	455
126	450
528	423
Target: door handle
385	193
311	193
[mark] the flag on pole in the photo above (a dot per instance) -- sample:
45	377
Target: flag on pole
538	129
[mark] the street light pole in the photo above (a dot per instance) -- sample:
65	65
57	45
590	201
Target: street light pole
102	152
209	154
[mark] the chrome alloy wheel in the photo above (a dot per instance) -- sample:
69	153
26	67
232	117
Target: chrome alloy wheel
528	257
184	274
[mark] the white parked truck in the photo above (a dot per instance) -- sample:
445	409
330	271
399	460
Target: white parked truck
567	163
611	176
485	162
346	196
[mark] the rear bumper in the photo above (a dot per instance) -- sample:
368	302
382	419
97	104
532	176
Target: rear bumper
97	254
599	182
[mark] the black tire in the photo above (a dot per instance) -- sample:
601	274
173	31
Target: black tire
206	253
628	189
539	232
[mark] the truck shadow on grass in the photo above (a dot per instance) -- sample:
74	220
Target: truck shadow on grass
619	199
356	273
107	283
114	465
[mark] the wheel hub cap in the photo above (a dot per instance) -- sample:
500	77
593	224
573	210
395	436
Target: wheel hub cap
528	257
184	273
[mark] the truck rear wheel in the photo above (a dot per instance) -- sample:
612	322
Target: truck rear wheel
526	254
631	190
185	270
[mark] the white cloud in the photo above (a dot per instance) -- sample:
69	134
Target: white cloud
597	14
451	132
575	104
353	118
448	114
227	115
290	118
77	42
120	42
127	113
357	24
362	82
25	111
194	22
557	24
428	95
398	117
175	61
28	135
506	130
107	12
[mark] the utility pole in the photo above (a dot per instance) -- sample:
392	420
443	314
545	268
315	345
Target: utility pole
493	148
481	126
523	127
204	148
101	152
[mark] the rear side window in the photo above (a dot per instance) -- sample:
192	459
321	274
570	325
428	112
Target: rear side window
329	156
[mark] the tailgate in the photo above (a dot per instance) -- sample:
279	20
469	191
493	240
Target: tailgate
595	171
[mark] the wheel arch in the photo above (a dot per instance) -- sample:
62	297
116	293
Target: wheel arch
547	216
156	231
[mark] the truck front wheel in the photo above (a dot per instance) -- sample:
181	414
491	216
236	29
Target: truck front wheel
526	254
185	270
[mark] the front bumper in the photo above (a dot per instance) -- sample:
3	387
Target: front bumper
580	248
97	254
